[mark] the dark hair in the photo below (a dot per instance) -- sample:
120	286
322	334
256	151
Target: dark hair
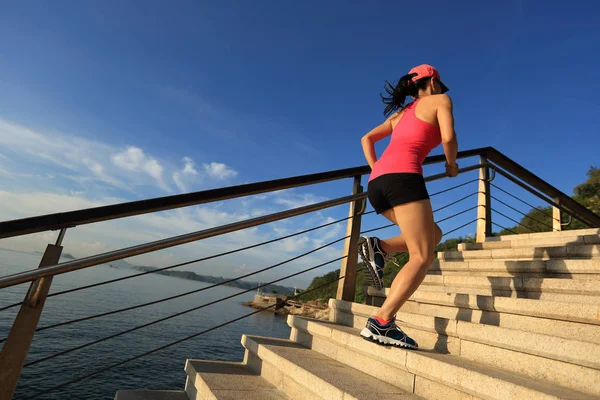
402	89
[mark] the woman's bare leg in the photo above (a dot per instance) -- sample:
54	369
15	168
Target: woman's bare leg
419	236
397	244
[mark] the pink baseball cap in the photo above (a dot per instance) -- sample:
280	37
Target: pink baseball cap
426	70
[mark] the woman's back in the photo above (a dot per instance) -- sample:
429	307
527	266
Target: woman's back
415	133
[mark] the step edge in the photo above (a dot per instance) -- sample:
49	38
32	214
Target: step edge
480	367
499	330
344	394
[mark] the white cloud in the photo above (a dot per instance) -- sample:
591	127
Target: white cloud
86	172
133	159
179	182
189	170
189	167
155	170
219	171
88	162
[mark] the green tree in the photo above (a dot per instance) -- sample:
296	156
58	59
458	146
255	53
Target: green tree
588	194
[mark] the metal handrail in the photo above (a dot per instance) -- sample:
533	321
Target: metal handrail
558	205
71	219
580	212
31	275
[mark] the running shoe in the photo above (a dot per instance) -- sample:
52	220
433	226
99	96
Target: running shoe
389	334
374	259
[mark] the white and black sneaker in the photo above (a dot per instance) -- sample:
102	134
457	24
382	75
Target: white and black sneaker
374	259
389	334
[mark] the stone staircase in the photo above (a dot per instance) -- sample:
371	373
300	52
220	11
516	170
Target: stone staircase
515	317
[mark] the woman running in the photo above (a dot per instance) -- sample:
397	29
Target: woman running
397	190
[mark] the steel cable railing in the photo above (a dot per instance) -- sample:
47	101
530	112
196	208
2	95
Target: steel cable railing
81	378
230	252
54	388
178	314
57	269
185	293
187	262
202	306
224	282
500	160
40	329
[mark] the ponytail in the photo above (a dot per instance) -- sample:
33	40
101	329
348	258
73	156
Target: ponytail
397	94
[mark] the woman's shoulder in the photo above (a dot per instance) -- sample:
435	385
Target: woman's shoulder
437	99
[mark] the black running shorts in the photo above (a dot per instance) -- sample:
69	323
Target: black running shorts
390	190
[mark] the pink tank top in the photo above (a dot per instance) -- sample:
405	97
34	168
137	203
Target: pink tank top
412	141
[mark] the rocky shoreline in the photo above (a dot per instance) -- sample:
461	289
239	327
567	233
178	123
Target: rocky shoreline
310	309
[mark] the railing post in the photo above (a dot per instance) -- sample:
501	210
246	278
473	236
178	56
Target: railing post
21	334
556	219
347	285
484	209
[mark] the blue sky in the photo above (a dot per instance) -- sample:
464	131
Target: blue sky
116	101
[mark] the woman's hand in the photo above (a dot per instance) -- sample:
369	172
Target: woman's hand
452	170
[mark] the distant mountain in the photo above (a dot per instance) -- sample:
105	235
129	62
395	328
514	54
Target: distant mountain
192	276
63	255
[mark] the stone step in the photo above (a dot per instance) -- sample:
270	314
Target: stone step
528	253
151	395
549	285
544	235
538	324
565	329
572	240
219	380
563	267
457	375
306	374
551	351
572	312
552	289
517	294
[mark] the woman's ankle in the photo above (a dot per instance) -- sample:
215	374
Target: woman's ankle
382	321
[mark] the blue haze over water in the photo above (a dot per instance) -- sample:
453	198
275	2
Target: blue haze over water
161	370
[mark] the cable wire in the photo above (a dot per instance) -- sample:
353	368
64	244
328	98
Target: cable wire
210	303
207	330
516	222
175	343
200	333
187	262
455	187
218	255
457	214
523	214
178	314
183	294
524	202
457	201
506	229
216	284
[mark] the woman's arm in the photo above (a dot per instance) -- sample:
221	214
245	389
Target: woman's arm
376	134
449	141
